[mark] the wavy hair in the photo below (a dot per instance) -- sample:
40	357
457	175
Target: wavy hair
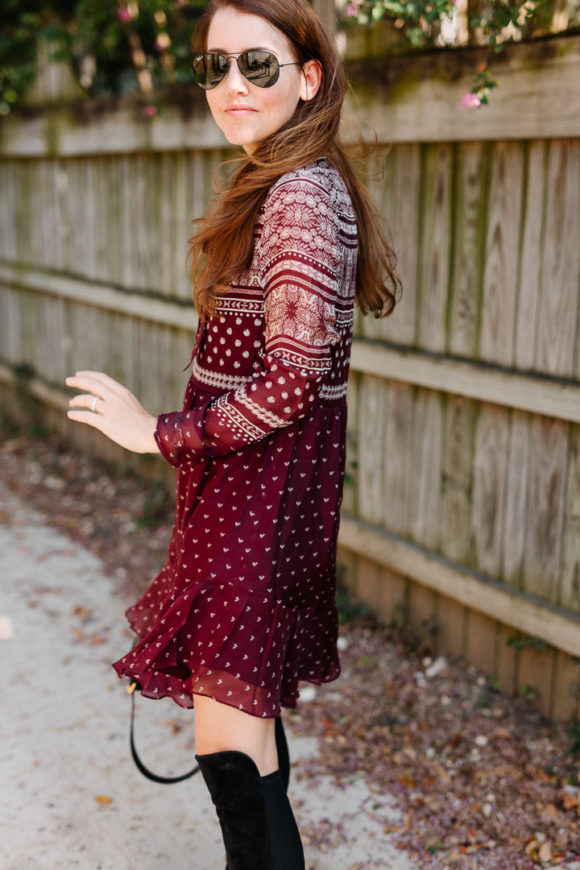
222	244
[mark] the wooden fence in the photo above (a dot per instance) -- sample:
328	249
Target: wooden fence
462	504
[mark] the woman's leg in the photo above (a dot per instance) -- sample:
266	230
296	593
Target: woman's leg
237	756
219	727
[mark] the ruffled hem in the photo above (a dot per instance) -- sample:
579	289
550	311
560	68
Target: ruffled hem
224	641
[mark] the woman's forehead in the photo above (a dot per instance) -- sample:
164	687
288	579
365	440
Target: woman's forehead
232	31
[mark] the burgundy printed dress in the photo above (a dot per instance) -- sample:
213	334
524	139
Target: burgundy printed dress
245	606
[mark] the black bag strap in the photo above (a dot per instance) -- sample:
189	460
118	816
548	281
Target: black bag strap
164	780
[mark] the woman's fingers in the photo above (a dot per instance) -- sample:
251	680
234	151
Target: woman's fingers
86	400
99	378
94	382
87	417
108	406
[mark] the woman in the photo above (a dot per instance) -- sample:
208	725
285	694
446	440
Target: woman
244	607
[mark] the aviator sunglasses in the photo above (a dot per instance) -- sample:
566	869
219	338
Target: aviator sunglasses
258	66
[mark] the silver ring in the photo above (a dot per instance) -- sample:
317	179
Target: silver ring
94	405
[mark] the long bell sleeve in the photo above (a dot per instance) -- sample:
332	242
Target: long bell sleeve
298	258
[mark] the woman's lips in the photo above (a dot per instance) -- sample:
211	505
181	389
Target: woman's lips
239	110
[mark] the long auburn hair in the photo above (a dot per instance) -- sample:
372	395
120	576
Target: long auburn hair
222	244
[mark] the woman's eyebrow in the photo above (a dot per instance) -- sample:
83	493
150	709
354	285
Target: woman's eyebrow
251	48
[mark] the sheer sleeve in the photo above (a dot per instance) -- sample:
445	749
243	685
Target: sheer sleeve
298	260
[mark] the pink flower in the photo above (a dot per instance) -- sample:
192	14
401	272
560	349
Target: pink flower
352	9
470	101
150	111
124	14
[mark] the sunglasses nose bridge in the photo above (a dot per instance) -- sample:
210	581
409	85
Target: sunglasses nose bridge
238	82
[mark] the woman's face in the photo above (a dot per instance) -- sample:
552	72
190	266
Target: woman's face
245	113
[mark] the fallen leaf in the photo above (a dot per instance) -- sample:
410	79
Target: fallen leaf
569	801
103	799
531	846
83	612
96	639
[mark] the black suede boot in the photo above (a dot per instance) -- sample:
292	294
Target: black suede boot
258	826
282	750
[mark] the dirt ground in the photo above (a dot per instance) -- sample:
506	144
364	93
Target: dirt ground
480	779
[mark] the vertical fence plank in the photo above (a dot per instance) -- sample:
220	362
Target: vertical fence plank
535	673
426	435
469	221
558	314
501	253
372	407
516	491
451	626
489	480
129	208
570	579
480	641
434	245
403	179
398	422
507	660
182	227
457	478
544	518
528	294
566	693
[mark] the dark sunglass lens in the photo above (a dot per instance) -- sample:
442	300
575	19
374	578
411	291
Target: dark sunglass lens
259	67
209	69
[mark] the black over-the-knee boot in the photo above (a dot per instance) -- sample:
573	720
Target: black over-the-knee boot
258	826
283	752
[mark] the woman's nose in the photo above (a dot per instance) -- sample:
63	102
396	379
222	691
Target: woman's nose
235	81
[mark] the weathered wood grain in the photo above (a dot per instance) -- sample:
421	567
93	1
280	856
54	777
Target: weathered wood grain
500	271
397	470
469	221
560	276
506	659
426	437
570	569
372	447
422	614
566	688
489	485
553	397
457	479
528	294
522	611
451	626
435	238
402	179
480	641
516	492
536	674
544	518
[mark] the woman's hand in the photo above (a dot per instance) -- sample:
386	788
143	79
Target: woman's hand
110	407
